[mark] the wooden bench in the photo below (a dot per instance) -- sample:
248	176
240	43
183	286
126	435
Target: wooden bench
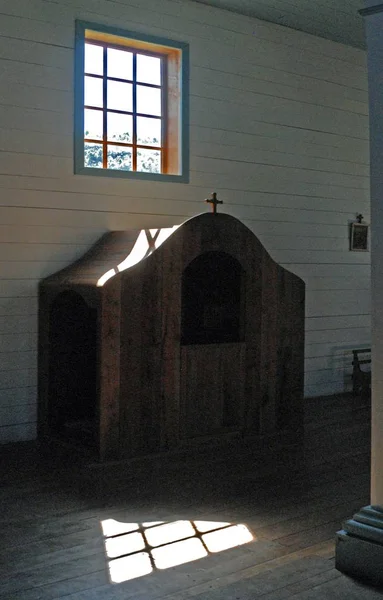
361	379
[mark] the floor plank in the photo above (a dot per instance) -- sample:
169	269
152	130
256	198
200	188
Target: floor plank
291	499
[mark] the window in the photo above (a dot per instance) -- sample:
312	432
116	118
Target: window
131	105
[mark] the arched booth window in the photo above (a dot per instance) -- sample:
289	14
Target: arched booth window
72	367
212	300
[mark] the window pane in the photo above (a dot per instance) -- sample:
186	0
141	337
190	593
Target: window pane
120	64
124	544
93	155
148	69
119	158
178	553
94	60
148	100
120	127
216	541
149	161
129	567
170	532
148	131
120	96
93	91
93	124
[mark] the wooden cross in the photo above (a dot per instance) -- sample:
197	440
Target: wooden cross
214	202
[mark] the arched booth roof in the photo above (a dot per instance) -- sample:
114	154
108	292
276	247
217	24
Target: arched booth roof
118	251
113	253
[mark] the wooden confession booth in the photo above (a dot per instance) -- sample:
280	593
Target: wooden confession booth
164	339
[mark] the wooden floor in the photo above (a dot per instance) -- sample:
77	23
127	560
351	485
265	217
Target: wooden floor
292	502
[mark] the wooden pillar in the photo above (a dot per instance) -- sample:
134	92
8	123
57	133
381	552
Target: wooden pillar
359	551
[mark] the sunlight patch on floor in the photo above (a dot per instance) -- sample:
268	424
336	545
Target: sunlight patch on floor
171	532
178	553
135	549
217	541
130	567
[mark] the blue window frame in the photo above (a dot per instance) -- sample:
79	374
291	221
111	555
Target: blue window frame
131	105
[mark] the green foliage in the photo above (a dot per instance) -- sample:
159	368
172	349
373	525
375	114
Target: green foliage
120	158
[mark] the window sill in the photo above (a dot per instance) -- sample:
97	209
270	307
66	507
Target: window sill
139	176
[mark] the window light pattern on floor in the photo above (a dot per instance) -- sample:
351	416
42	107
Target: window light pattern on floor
135	549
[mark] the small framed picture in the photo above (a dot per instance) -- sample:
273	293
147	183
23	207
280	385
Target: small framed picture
359	237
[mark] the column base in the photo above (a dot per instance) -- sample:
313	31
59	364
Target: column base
359	546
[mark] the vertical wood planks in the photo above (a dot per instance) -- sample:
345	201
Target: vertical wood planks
155	390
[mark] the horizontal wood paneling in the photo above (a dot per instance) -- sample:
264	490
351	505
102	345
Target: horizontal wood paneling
327	349
17	360
323	257
341	321
352	335
337	360
33	53
278	128
327	388
355	269
36	75
207	83
11	288
17	342
18	433
56	101
13	234
326	375
18	396
34	270
268	135
39	252
17	378
327	303
12	324
333	245
339	283
13	415
260	51
275	211
99	221
18	306
176	202
273	109
294	142
288	87
261	178
256	151
340	23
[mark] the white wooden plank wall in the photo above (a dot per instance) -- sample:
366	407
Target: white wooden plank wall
278	128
